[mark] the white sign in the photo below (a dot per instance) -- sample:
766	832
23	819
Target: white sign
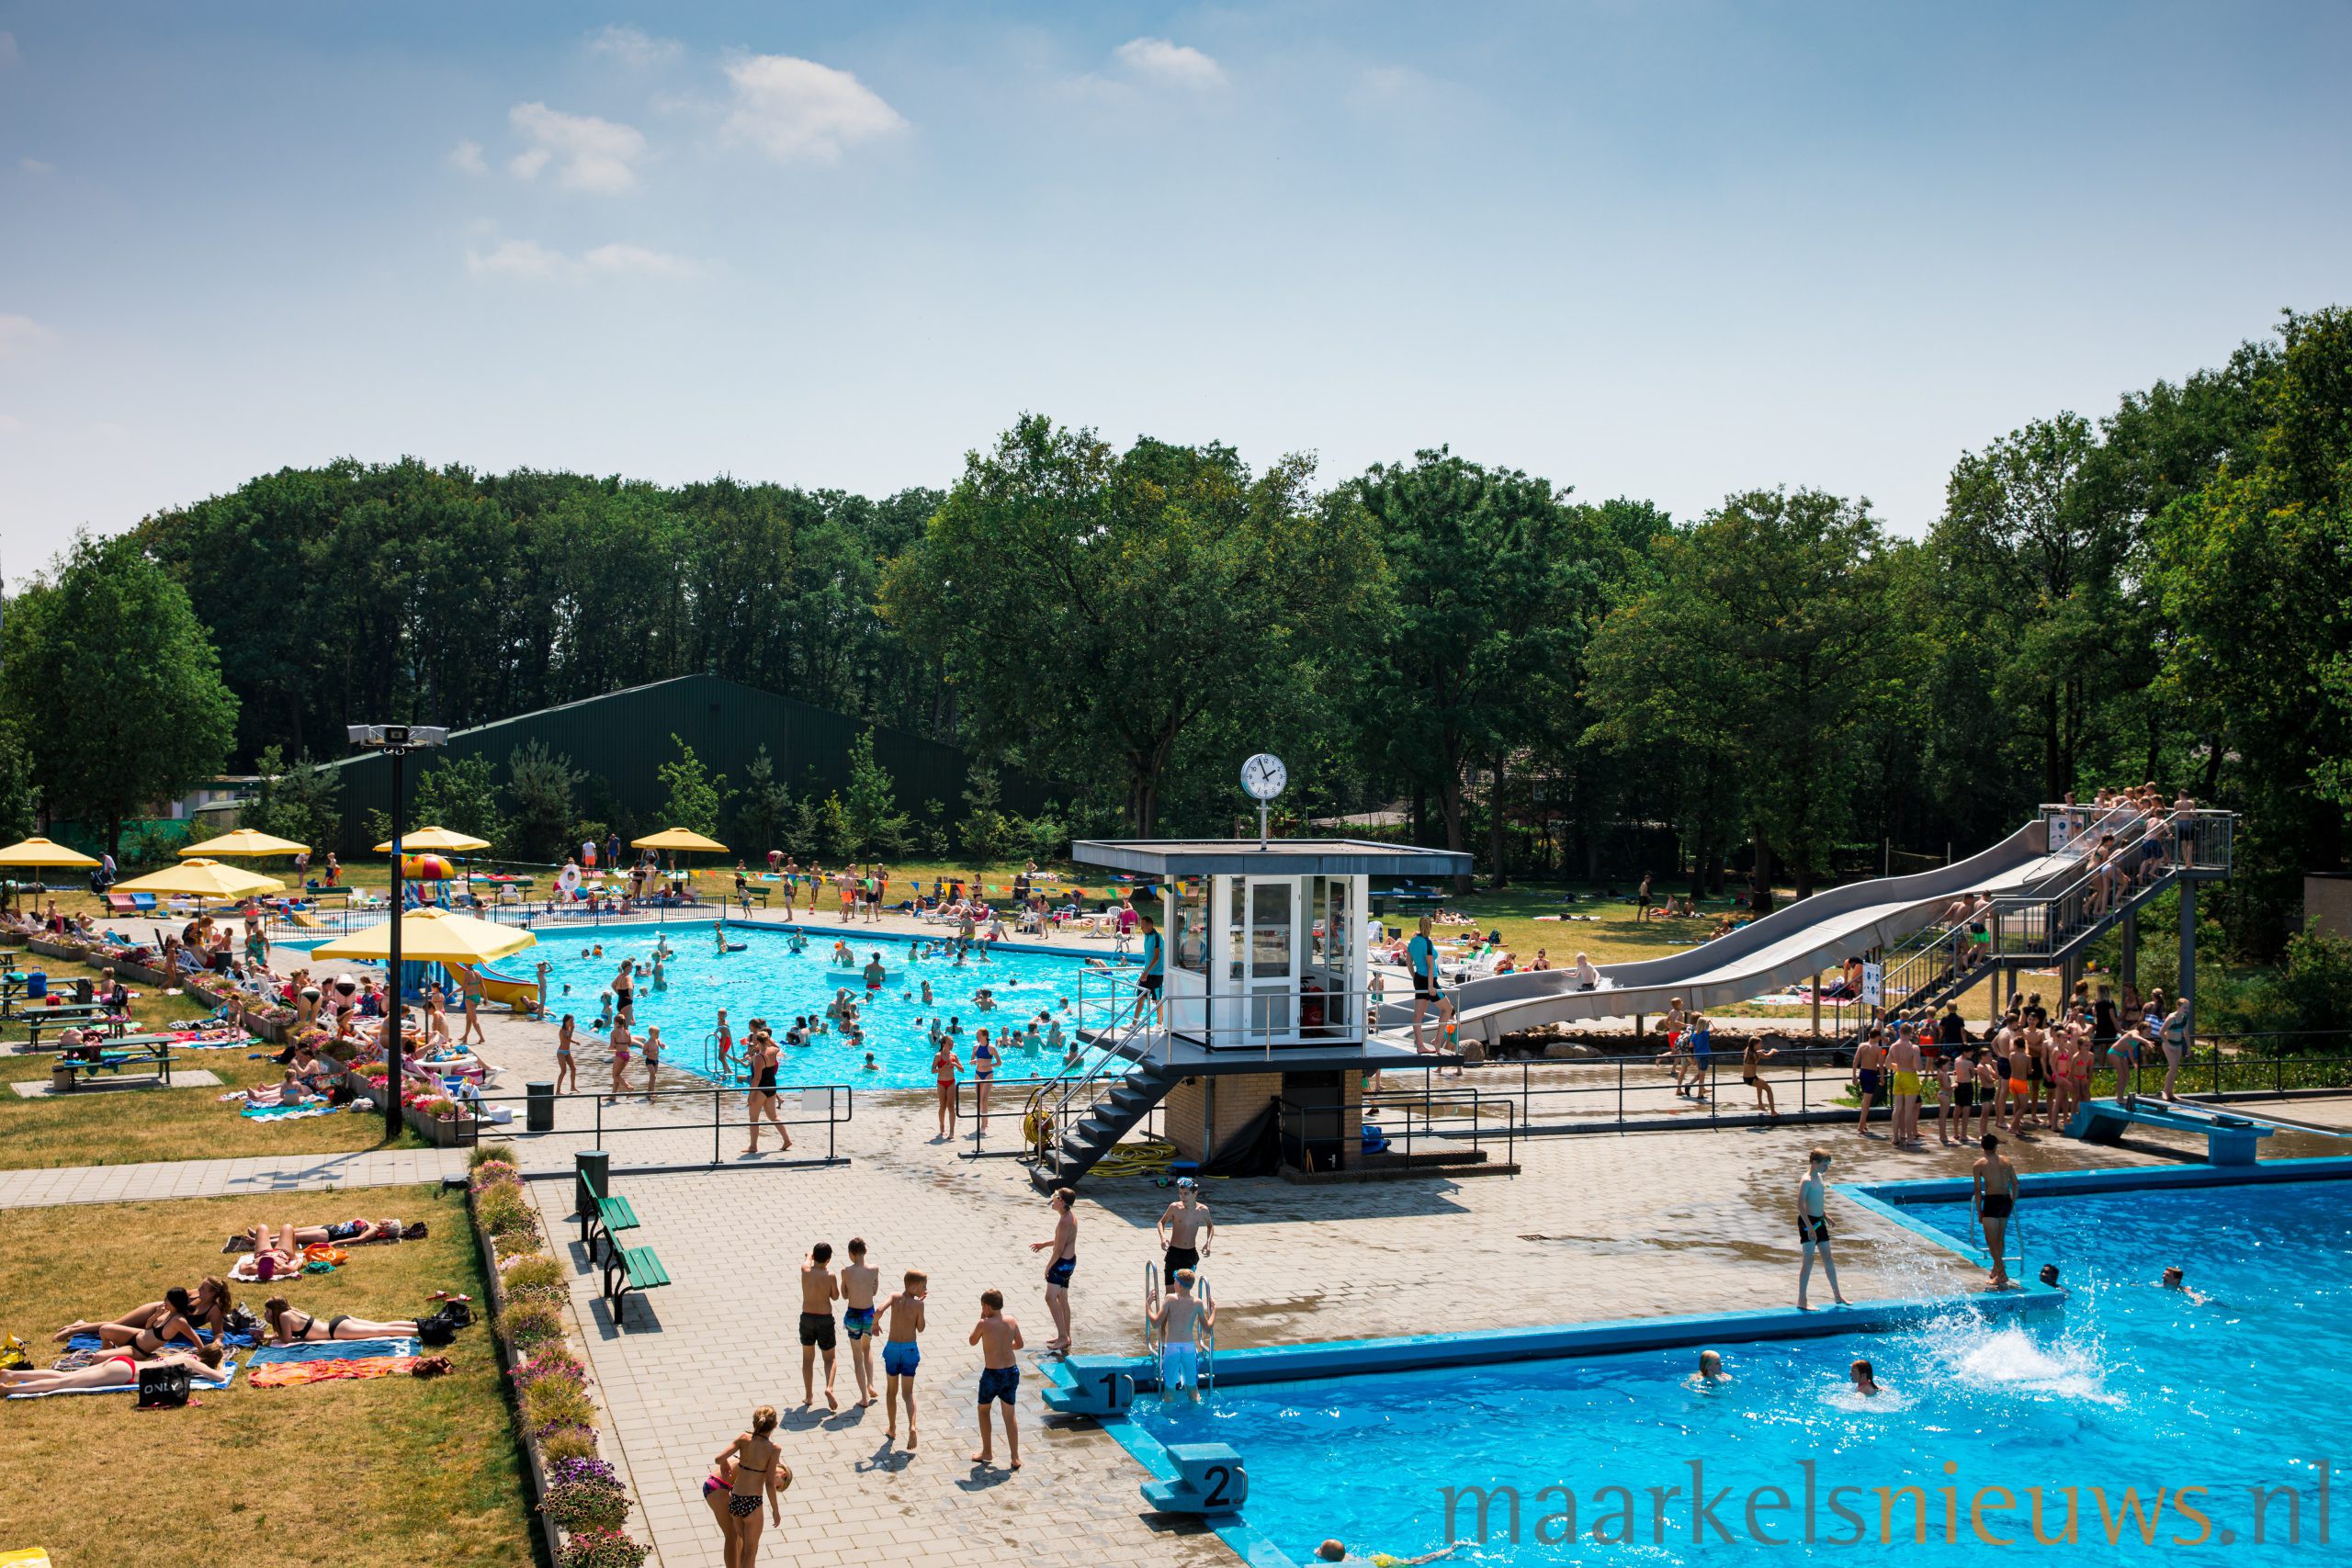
1873	980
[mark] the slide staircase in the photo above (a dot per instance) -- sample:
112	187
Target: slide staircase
1076	1118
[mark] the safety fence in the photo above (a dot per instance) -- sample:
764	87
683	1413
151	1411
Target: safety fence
665	1130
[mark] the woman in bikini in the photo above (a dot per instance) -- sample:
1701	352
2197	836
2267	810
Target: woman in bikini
758	1471
944	1067
983	1073
761	1046
119	1370
289	1326
566	1068
148	1328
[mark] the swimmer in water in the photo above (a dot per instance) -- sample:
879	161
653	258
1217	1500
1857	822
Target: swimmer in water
2174	1281
1865	1381
1334	1551
1710	1369
871	1065
660	981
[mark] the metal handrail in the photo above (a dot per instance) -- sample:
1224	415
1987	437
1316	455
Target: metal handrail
2043	925
839	1110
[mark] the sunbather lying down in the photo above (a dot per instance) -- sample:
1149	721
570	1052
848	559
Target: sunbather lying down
151	1326
292	1238
290	1325
120	1370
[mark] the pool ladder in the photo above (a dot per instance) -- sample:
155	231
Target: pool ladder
1154	1344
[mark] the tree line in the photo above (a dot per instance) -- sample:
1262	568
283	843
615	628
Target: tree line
1780	689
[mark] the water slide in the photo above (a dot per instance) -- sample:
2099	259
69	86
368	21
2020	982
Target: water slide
522	996
1793	942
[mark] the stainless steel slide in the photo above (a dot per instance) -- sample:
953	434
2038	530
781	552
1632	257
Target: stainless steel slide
1792	943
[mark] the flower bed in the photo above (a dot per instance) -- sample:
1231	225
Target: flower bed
584	1504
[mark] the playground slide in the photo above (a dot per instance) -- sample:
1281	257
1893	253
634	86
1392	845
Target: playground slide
1792	943
522	996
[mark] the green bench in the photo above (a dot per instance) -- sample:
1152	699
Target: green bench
626	1269
156	1058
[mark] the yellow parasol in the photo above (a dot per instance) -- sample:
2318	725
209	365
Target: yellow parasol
244	841
202	879
43	852
431	936
418	839
678	839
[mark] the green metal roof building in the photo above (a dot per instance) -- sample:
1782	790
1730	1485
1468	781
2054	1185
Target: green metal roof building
620	738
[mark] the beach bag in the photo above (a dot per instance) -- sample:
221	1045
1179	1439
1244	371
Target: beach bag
163	1388
459	1314
436	1329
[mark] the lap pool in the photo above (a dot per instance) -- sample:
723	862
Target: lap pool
2131	1395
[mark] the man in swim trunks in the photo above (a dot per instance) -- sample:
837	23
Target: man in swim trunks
1186	1229
1867	1058
860	1281
900	1354
1180	1316
1065	1263
1813	1227
875	974
999	1337
1420	958
1996	1193
1903	1062
819	1290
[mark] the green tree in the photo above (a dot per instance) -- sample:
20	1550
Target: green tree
1763	646
984	833
763	814
107	667
461	794
875	823
1494	584
542	810
19	796
1097	606
692	798
298	801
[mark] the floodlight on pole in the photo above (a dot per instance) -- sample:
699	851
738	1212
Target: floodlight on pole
396	741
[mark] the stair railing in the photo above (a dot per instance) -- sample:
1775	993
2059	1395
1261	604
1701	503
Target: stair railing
1050	1108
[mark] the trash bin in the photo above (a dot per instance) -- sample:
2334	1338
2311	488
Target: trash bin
539	1108
587	1166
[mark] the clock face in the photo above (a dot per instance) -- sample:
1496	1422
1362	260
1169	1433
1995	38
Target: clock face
1264	775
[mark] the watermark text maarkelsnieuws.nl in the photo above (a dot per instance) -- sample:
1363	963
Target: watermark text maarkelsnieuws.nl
1812	1511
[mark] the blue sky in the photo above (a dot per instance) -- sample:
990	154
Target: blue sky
1663	250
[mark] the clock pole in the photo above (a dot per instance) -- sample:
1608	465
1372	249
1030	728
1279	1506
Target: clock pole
1262	824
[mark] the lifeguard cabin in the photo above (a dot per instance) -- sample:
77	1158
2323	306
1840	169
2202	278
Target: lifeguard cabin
1267	1000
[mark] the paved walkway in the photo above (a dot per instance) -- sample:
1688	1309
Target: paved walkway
227	1178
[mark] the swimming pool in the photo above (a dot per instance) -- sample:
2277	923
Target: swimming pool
2126	1391
768	980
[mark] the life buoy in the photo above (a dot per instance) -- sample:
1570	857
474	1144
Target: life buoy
568	879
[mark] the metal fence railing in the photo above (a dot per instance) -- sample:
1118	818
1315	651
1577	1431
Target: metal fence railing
721	1109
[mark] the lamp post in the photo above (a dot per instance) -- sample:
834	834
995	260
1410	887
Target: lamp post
397	740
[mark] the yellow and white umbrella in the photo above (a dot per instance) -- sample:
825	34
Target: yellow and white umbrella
678	839
202	879
244	841
43	852
418	839
429	936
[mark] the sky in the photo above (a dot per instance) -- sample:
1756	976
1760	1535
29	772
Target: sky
1662	250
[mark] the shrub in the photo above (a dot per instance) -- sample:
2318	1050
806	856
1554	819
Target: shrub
602	1549
558	1444
585	1495
528	1326
557	1361
557	1402
531	1270
488	1154
506	1214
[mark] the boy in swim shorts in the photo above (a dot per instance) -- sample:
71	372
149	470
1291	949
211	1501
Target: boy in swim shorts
1180	1317
999	1337
900	1354
860	1281
819	1290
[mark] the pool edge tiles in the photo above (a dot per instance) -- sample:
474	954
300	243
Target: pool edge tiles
1348	1358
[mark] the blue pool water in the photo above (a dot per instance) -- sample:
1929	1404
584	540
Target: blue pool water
2126	1385
768	980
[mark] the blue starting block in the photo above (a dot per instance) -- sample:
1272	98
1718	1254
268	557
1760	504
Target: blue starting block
1209	1480
2229	1140
1094	1390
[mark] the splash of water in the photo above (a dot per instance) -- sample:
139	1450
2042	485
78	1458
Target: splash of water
2008	1359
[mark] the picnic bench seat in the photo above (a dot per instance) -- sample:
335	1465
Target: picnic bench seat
73	1015
608	1214
626	1269
156	1056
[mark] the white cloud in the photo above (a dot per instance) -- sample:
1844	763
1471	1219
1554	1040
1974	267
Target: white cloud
19	333
799	111
35	166
10	424
9	52
529	259
467	156
633	45
1170	65
591	154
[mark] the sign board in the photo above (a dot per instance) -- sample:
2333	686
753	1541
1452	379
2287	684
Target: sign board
1873	982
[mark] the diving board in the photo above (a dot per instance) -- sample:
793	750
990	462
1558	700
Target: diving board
2229	1140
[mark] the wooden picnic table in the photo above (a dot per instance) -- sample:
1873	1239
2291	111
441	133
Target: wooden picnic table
115	1055
91	1016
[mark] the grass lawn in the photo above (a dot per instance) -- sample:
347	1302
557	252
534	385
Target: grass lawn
1604	928
133	1125
385	1473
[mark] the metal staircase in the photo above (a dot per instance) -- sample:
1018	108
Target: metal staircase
2052	921
1076	1118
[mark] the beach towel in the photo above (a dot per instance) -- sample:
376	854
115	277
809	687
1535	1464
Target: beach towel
293	1374
228	1370
331	1350
288	1112
232	1340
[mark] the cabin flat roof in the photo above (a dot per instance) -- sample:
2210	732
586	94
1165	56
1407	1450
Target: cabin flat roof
1279	857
